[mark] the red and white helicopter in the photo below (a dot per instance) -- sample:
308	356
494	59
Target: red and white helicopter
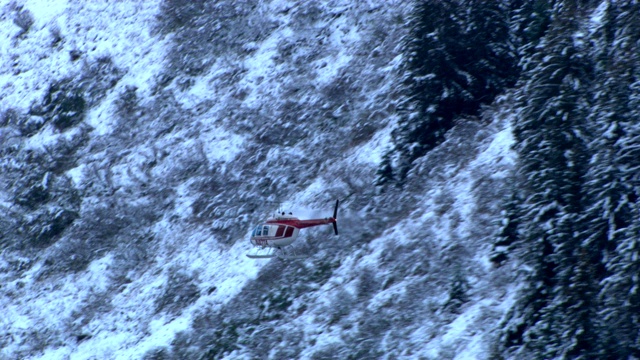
273	236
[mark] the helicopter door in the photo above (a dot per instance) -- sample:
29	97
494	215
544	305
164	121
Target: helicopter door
280	230
289	232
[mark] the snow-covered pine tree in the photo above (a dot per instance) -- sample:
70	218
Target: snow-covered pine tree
430	66
458	56
551	141
530	21
616	178
508	234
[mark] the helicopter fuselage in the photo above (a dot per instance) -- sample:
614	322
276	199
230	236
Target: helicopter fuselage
283	230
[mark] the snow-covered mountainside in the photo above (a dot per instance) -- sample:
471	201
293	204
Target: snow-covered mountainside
183	143
140	142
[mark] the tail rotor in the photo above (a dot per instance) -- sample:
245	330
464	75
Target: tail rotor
335	218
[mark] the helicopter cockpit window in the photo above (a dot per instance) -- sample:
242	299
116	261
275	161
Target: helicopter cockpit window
265	230
257	231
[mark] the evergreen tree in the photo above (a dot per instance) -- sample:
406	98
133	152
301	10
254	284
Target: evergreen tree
458	56
432	81
530	21
616	177
552	143
508	231
578	223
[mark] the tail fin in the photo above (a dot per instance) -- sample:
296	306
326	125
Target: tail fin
335	217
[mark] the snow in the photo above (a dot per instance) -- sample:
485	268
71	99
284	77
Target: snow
118	30
260	66
372	151
45	12
221	145
598	14
118	334
342	37
462	334
131	327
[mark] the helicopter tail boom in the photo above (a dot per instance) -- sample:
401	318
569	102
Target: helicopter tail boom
301	224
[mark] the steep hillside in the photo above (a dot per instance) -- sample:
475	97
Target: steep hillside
135	162
140	142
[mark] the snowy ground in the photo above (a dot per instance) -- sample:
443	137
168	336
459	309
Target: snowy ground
122	319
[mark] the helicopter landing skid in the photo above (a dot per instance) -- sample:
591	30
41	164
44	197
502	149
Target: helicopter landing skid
269	252
262	253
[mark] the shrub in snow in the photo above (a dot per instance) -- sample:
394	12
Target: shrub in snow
50	207
458	291
342	306
275	304
159	353
48	224
333	351
98	76
31	193
62	154
208	30
29	125
66	101
23	19
179	292
64	105
367	341
9	117
368	284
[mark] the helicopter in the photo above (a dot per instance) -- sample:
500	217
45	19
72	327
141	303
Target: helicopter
272	237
